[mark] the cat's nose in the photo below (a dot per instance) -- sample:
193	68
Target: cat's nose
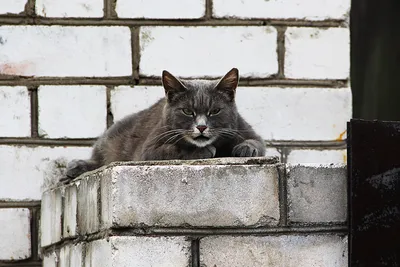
201	128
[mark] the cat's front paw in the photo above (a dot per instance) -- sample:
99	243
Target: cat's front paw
76	167
212	150
245	149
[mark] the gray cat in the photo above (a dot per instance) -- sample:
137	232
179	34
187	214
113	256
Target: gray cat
195	120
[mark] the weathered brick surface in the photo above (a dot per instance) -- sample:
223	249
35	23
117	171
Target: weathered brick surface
71	255
64	112
50	260
70	211
74	8
15	112
15	238
88	205
314	53
208	51
280	9
30	169
51	212
337	156
176	195
139	251
65	51
155	9
317	194
288	251
12	6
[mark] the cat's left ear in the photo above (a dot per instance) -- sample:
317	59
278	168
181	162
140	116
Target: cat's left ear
227	85
172	85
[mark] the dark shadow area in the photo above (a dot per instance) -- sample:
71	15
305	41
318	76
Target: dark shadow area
375	59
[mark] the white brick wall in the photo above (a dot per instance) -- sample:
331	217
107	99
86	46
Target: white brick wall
65	51
70	8
15	234
28	169
210	51
12	6
172	9
280	9
288	251
317	156
15	112
65	112
316	53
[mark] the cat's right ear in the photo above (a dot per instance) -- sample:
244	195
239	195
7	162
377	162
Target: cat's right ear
172	85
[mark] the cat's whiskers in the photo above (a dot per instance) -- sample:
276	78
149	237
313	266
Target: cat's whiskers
172	137
165	135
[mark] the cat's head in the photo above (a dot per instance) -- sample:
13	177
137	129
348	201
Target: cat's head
201	111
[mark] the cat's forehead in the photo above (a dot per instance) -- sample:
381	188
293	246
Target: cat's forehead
199	85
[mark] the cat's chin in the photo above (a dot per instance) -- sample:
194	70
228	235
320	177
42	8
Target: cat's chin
200	141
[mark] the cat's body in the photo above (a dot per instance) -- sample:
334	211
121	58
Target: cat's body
196	120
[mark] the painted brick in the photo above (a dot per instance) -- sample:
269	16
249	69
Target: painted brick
123	99
65	51
51	212
296	113
88	206
338	156
281	9
208	51
71	8
15	233
317	193
12	6
64	111
71	256
316	53
288	251
139	251
15	120
29	169
70	211
155	9
159	196
50	260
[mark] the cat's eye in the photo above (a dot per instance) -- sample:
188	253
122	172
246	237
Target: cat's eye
187	111
214	111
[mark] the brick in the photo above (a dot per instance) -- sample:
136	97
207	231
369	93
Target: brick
15	233
12	6
51	212
15	112
64	111
155	9
316	53
29	169
139	251
50	260
83	51
71	256
317	193
70	211
338	156
208	51
196	195
296	113
290	251
64	9
88	206
122	97
280	9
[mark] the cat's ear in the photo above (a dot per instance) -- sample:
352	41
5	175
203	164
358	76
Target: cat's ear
172	85
227	85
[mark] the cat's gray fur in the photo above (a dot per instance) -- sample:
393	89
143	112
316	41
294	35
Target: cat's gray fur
197	119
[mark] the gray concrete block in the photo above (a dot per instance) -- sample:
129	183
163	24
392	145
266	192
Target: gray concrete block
50	260
196	195
70	255
70	211
317	194
88	204
260	251
50	222
129	251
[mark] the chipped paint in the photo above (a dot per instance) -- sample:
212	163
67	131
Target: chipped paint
341	136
